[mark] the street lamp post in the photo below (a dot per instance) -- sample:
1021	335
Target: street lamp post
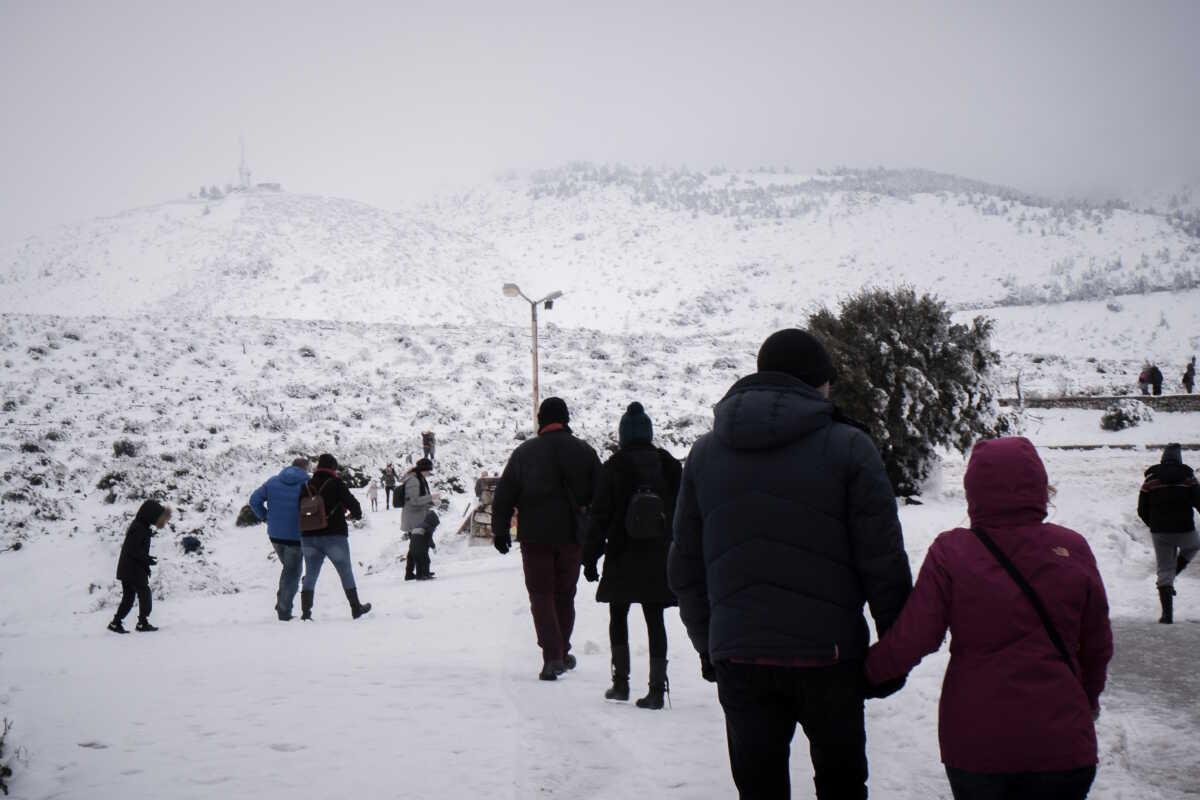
512	290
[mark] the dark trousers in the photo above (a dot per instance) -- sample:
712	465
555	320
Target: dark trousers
618	627
291	561
387	496
551	574
762	706
130	590
417	563
428	451
1069	785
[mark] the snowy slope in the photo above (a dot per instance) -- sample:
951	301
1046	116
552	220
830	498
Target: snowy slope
654	250
261	254
434	694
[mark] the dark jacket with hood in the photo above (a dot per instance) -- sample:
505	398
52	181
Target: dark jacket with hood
532	483
1009	701
134	563
338	500
1169	494
786	524
635	571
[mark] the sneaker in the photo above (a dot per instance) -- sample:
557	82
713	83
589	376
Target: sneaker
116	627
144	626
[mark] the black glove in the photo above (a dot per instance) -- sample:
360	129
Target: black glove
151	560
886	689
707	670
590	572
503	542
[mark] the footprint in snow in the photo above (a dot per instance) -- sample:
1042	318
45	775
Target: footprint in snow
94	745
287	748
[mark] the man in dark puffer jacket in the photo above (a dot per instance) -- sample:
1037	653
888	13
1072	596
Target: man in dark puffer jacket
1165	503
786	524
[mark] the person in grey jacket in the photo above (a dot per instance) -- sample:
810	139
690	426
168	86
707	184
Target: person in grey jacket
785	526
418	502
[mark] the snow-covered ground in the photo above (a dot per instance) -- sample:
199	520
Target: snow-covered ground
434	694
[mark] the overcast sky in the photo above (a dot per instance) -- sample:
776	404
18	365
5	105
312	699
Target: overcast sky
110	105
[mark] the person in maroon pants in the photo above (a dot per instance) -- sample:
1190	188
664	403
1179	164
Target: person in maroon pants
549	480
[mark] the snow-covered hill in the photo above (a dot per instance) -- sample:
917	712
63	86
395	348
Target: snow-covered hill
435	691
635	251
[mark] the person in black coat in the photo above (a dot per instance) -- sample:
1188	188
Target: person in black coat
331	541
786	524
634	538
1165	503
549	480
1156	380
133	567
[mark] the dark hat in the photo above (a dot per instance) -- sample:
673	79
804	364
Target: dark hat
799	354
554	409
327	461
1172	454
636	427
423	465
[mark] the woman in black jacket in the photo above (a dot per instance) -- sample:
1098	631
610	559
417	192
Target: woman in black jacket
631	516
133	567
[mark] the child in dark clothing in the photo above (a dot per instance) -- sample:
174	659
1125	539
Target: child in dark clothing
420	542
133	568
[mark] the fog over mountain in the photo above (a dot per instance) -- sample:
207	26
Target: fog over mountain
116	106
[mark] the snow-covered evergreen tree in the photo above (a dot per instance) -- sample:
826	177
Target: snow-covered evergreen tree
914	377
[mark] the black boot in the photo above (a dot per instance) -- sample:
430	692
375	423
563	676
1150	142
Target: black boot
658	685
357	609
1166	596
620	674
1180	564
551	670
306	604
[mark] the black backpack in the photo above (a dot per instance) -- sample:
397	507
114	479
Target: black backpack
646	514
646	517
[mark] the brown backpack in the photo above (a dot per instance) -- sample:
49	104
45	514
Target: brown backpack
312	510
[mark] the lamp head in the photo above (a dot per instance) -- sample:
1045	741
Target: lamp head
511	290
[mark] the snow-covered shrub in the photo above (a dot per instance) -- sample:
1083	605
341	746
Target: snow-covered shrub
1125	414
915	378
246	517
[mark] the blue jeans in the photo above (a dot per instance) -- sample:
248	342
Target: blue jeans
337	550
291	557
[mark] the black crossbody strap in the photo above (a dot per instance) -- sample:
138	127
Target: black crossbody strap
1023	584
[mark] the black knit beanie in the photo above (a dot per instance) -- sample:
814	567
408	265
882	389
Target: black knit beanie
635	427
553	410
327	461
1172	454
799	354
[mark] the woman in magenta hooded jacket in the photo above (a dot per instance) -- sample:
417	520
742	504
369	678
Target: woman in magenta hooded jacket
1015	719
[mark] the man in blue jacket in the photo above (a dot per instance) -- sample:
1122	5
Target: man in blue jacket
278	502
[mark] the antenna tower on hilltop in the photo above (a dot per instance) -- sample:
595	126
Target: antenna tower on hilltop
243	170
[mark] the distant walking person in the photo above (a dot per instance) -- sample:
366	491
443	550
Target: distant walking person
1020	693
1156	380
1165	503
133	567
1189	376
631	516
550	480
278	502
373	494
786	525
429	444
389	485
418	501
326	535
1144	380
